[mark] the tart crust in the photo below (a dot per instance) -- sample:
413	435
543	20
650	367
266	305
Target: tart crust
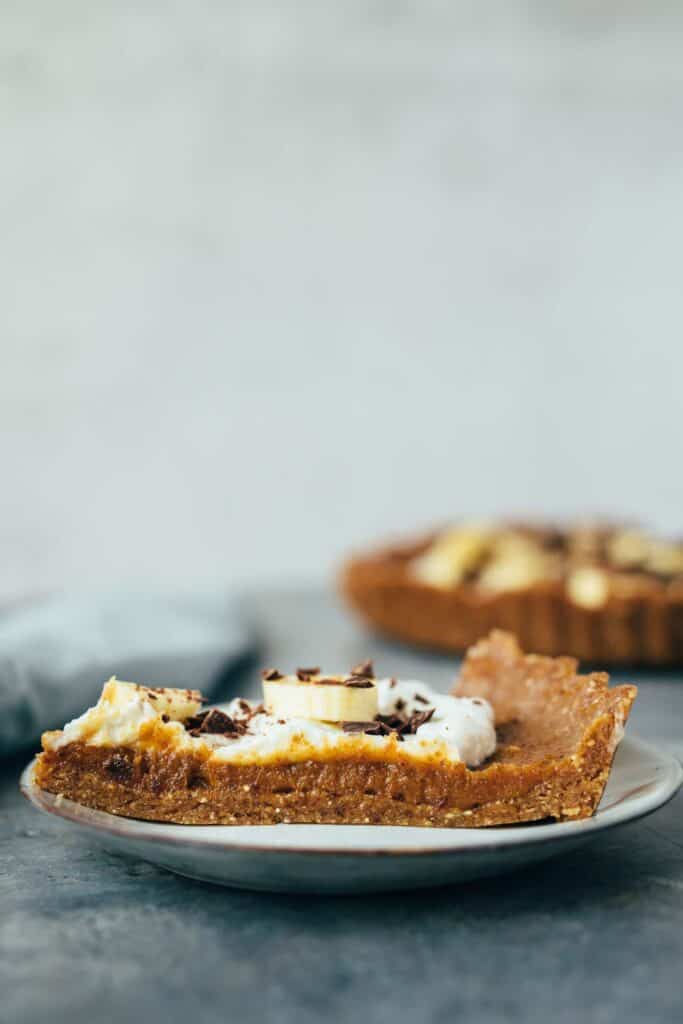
644	626
557	735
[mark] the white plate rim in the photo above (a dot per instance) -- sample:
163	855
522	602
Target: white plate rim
493	839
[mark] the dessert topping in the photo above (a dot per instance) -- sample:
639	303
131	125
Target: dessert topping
459	728
395	724
588	587
304	674
364	668
216	722
327	699
511	557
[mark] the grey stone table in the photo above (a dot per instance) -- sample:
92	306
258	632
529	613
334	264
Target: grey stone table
595	935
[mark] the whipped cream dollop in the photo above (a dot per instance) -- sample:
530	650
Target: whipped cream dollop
460	728
116	727
122	712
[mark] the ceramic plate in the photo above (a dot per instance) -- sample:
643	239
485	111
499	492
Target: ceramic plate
361	858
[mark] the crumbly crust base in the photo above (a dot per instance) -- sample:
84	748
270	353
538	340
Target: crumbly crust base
643	628
558	732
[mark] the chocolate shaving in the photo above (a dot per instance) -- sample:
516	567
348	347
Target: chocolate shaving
397	725
364	668
394	722
195	721
420	699
271	674
246	713
400	704
359	683
304	674
392	683
382	729
165	718
328	682
358	727
218	722
215	722
419	718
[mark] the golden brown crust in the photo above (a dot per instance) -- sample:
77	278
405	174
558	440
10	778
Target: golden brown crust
644	627
544	710
558	732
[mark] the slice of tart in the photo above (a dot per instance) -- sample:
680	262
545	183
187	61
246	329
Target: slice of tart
606	594
519	739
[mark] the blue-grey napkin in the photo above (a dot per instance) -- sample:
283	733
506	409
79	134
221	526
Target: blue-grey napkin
55	654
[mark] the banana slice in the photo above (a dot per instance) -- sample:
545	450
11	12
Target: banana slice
324	698
665	558
176	704
452	555
588	587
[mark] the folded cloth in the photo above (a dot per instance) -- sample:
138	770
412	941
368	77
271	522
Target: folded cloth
56	653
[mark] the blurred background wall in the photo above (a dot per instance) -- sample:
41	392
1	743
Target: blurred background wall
278	277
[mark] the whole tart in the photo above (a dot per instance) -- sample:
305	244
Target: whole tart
520	738
606	594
